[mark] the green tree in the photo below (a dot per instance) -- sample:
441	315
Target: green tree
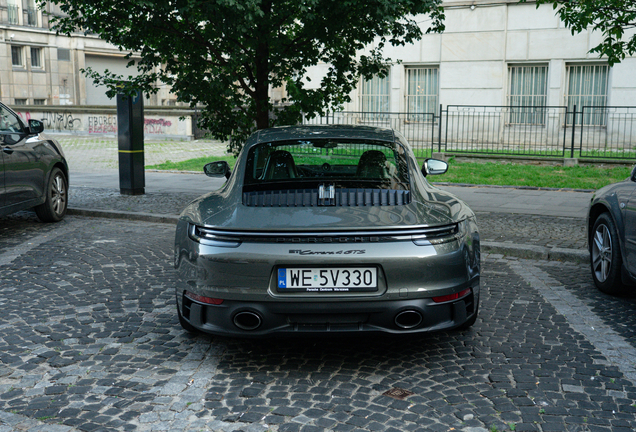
611	17
227	54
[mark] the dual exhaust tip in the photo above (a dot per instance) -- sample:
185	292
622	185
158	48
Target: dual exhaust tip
248	320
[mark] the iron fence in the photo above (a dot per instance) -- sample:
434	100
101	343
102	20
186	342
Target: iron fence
592	132
532	131
611	132
420	129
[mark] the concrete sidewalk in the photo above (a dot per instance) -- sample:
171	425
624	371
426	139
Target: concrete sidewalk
518	222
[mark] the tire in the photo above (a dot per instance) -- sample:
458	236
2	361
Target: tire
56	198
605	256
184	324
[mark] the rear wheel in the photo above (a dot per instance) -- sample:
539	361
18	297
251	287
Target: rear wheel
56	198
605	256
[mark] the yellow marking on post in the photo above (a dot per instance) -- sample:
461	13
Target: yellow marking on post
131	151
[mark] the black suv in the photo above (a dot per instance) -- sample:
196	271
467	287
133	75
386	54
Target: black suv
33	170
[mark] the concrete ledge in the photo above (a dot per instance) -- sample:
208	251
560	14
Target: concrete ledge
536	252
114	214
516	250
575	255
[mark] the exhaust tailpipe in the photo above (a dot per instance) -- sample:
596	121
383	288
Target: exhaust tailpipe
247	320
408	319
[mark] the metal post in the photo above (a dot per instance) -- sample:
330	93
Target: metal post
130	137
573	131
439	132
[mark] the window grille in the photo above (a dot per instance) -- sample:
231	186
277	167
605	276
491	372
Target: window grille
16	56
375	95
422	90
528	94
14	13
587	87
36	58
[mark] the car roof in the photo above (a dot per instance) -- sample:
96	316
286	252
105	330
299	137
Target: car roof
285	133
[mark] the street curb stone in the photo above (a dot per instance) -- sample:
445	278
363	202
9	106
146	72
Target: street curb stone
114	214
535	252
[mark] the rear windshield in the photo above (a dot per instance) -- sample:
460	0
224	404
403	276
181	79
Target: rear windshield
343	163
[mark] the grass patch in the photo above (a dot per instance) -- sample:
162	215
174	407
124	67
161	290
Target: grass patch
490	173
192	164
507	174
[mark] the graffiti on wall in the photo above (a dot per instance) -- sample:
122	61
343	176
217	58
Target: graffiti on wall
93	124
102	124
61	121
56	121
156	126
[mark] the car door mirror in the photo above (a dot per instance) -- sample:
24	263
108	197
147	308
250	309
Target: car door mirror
217	169
434	167
35	126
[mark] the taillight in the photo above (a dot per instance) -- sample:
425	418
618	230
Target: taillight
203	299
451	297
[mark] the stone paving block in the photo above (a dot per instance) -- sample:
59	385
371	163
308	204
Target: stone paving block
523	353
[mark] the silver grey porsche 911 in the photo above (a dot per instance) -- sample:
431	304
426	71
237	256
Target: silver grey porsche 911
326	229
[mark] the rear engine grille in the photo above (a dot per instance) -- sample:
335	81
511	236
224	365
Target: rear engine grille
343	198
428	235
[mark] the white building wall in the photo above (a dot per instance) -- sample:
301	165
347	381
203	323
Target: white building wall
481	42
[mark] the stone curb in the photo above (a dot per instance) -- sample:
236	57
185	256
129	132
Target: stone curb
116	214
536	252
505	249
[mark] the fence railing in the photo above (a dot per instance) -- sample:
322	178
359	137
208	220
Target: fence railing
611	132
592	132
419	129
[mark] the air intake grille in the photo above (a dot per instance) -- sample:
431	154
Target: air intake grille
343	198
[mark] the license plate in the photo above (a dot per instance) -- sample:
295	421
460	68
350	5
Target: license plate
332	279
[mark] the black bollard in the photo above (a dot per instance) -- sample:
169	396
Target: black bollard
130	136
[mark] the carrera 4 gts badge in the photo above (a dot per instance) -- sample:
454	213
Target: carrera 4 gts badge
340	252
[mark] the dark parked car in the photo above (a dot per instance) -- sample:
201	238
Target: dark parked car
34	171
327	229
611	237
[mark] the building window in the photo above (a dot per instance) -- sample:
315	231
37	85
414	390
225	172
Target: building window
422	90
528	94
20	102
36	58
13	10
32	14
16	56
63	54
39	101
587	87
375	95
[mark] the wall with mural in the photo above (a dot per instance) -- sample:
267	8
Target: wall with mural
167	123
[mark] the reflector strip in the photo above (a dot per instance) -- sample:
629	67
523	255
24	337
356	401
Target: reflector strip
450	297
203	299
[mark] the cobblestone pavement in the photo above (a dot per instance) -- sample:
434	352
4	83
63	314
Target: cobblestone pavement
90	341
88	153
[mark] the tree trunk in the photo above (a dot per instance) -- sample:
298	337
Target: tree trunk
262	70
